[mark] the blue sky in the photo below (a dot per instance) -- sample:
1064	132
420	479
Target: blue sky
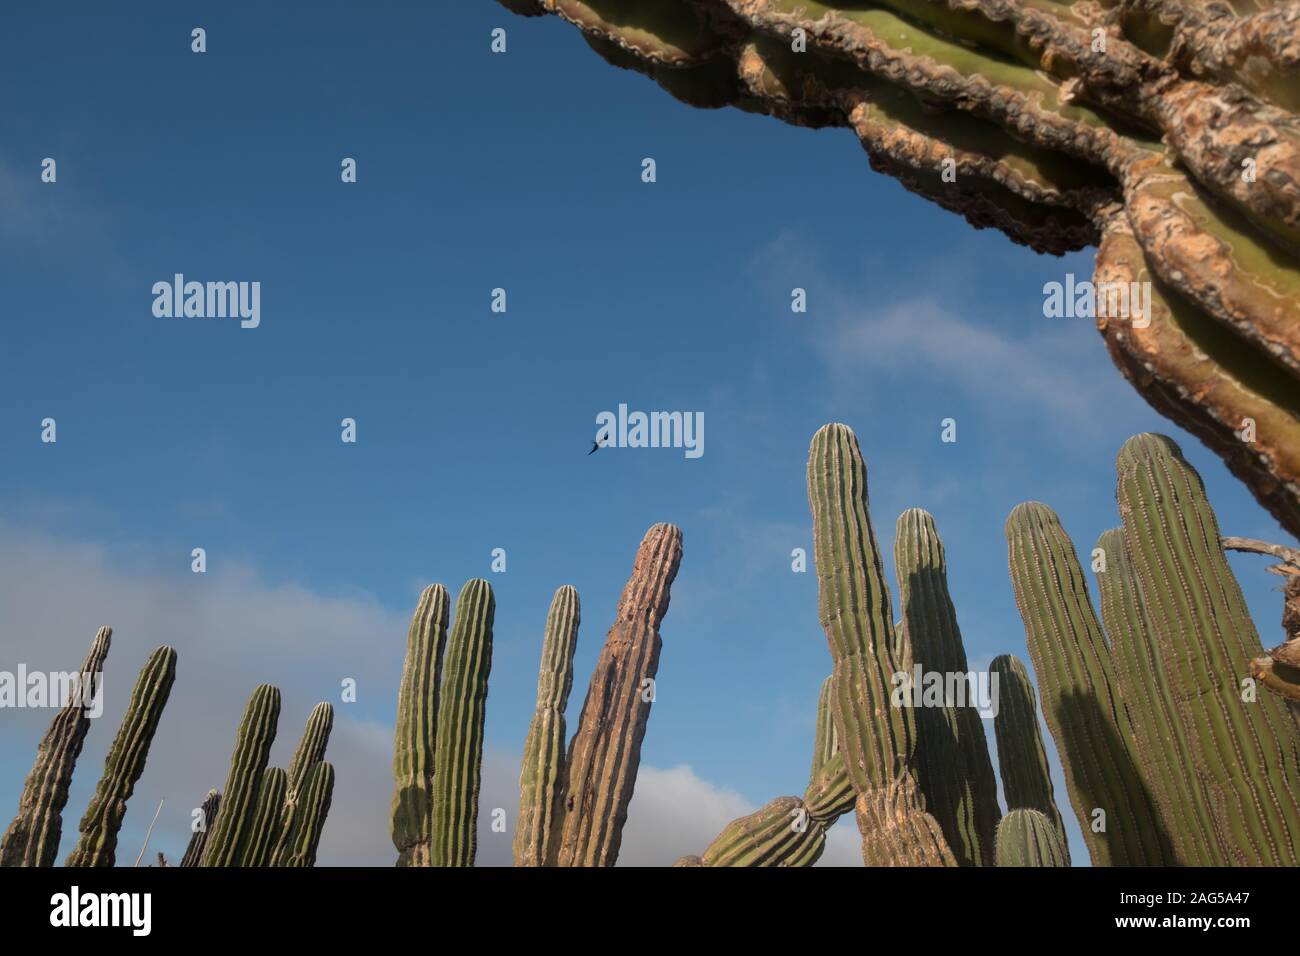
477	171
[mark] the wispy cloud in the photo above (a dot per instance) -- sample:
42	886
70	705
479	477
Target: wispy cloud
1044	372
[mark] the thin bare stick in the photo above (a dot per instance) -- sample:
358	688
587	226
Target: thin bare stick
1280	551
148	834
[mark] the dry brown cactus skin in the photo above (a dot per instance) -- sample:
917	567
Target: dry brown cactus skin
1162	131
897	831
606	749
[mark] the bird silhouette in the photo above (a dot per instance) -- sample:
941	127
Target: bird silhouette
595	447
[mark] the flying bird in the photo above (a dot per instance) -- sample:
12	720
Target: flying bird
595	446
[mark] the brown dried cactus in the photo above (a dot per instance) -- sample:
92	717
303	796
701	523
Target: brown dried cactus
606	749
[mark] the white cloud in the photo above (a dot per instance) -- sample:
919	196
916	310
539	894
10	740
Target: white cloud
232	630
1052	371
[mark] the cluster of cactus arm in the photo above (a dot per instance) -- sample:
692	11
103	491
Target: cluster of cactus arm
1175	750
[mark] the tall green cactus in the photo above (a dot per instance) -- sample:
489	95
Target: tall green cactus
308	821
267	820
779	834
1027	838
311	748
1242	752
1159	733
125	762
239	797
32	838
953	770
877	739
830	792
605	751
207	814
462	709
417	728
1022	759
1115	809
825	745
541	777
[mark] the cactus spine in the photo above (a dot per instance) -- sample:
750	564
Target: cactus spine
239	798
1027	838
1022	759
417	727
199	837
462	708
953	770
264	826
1243	752
32	839
309	814
541	778
1079	697
125	762
606	749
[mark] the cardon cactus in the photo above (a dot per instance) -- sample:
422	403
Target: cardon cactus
308	820
1164	133
1241	745
780	834
1027	838
876	738
1160	735
1080	702
605	751
1022	759
830	792
541	778
953	771
32	839
825	745
310	750
462	708
789	831
896	830
125	762
207	814
417	727
268	819
239	798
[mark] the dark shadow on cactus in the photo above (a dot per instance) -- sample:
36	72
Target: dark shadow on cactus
1080	711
